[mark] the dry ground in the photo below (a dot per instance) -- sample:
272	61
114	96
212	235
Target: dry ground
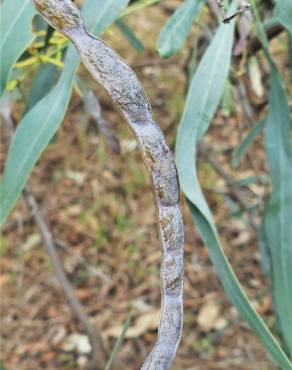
100	206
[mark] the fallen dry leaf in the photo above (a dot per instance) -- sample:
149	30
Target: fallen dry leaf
4	280
209	316
146	322
243	238
83	293
77	342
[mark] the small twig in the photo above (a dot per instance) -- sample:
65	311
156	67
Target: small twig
247	111
245	103
220	170
228	180
255	45
98	353
168	9
93	109
152	62
241	9
215	8
93	271
221	8
98	358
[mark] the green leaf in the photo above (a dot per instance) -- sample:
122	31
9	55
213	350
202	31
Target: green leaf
204	96
129	34
203	99
118	343
250	180
42	84
283	13
233	289
246	143
108	11
40	124
276	226
264	249
137	6
16	35
227	100
278	215
33	134
176	30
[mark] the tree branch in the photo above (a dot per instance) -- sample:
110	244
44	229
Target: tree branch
98	353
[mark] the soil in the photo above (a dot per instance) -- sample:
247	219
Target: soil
100	210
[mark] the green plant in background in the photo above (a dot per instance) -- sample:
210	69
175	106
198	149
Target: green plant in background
42	53
204	95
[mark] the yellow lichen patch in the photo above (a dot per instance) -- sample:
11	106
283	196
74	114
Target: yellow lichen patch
166	221
150	156
160	191
168	231
62	15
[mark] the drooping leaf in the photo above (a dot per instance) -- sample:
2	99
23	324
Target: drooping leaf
283	13
32	136
278	214
129	34
246	143
176	30
276	225
203	99
16	34
234	291
39	125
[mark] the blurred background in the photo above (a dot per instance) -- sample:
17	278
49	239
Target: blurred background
95	195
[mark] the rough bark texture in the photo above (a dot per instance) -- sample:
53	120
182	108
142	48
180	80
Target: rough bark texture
121	83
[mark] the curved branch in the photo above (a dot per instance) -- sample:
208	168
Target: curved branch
255	44
121	83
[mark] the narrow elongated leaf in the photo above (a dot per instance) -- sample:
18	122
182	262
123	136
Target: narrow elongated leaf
40	124
137	6
118	343
284	13
42	84
33	135
129	34
176	30
277	224
246	143
16	34
234	291
106	12
264	250
278	215
203	99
